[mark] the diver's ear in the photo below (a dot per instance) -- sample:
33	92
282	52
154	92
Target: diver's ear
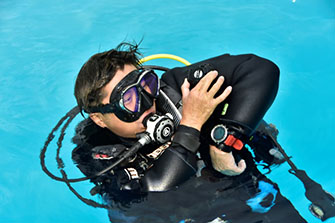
98	119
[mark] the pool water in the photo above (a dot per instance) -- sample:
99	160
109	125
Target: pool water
44	44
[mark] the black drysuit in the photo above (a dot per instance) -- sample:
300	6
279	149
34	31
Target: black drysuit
164	187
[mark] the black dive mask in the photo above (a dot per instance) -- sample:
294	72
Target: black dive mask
132	96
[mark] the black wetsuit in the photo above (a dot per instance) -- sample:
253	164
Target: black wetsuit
132	188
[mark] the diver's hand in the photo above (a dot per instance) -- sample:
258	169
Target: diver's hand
199	103
225	162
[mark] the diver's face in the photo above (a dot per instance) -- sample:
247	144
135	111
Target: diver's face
109	120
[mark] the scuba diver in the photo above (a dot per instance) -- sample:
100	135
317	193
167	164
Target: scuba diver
177	149
121	96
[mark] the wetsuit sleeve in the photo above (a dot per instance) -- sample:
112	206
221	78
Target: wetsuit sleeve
254	81
176	165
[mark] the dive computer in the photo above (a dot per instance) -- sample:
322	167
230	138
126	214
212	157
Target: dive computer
225	140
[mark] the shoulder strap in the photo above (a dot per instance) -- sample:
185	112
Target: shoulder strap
174	96
169	100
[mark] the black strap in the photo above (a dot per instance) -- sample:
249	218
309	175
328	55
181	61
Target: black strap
174	96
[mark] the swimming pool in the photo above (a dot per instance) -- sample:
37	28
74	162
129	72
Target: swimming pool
44	44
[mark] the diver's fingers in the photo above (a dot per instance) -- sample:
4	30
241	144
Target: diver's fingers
206	81
224	95
241	166
235	170
214	89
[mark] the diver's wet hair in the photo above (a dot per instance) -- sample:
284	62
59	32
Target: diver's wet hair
99	70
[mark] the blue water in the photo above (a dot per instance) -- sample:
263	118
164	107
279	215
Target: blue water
43	44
